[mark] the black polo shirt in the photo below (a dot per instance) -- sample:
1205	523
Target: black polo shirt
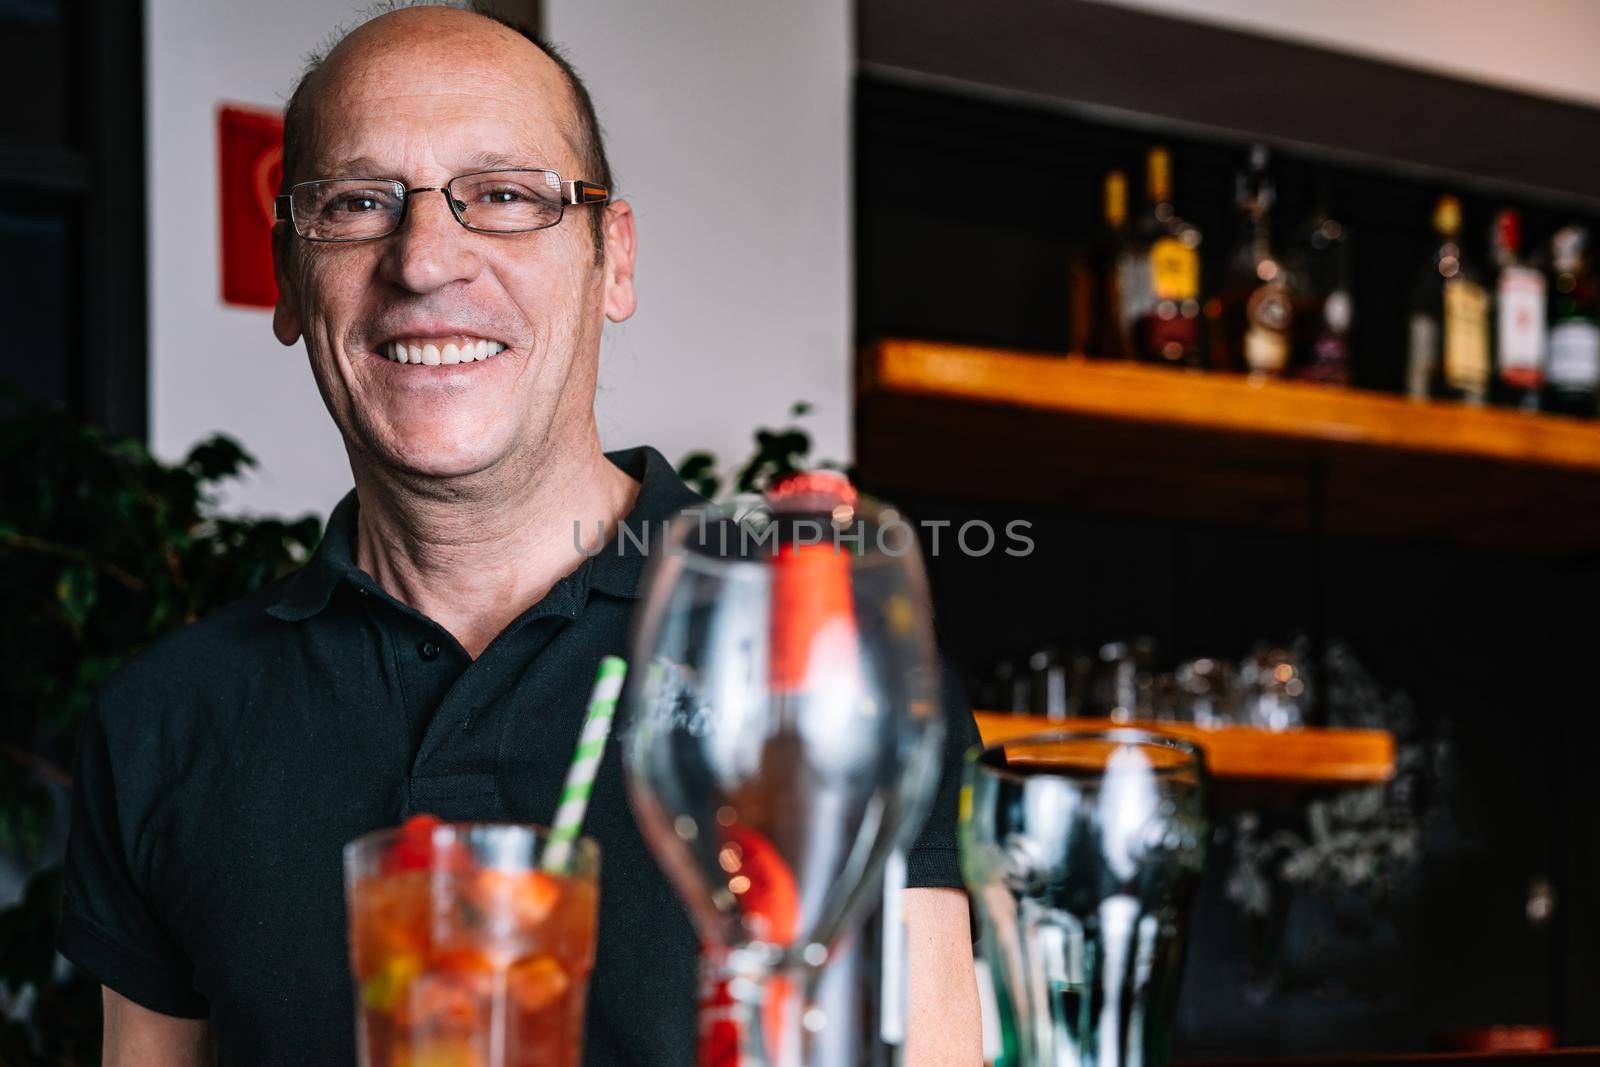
224	768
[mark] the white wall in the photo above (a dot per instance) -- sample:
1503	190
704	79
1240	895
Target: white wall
215	367
728	126
1549	47
744	284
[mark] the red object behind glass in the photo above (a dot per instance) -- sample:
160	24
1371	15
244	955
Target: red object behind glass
249	166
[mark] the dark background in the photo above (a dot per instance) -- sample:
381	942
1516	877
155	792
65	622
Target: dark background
1493	647
72	253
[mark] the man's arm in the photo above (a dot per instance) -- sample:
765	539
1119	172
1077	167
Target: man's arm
943	1027
138	1037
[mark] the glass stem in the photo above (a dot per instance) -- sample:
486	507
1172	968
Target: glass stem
750	1014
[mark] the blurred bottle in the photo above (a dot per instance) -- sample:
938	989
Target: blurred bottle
1519	317
1098	328
1319	285
1249	321
1448	351
1160	279
1573	373
1110	339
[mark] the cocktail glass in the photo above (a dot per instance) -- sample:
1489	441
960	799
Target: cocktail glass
467	953
784	740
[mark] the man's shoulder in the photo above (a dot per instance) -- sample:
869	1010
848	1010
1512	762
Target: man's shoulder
203	659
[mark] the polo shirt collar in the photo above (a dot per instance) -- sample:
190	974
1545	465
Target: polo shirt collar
662	494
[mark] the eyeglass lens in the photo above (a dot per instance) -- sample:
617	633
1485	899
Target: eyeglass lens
357	209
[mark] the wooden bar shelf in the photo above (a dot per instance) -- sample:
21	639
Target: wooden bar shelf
1242	753
1019	426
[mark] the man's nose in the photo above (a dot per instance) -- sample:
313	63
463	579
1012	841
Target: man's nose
431	249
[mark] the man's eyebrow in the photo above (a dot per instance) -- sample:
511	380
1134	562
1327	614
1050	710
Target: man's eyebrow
359	167
368	167
496	161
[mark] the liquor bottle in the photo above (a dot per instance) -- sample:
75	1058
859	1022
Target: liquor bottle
1110	339
1319	286
1573	373
1160	279
1449	324
1098	329
1519	317
1249	322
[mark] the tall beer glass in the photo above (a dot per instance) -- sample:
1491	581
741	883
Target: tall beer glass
1082	851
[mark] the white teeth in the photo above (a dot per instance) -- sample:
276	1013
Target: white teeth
472	351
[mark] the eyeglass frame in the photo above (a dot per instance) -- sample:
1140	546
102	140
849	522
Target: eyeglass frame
575	192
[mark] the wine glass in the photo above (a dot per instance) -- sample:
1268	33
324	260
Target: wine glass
1082	851
784	739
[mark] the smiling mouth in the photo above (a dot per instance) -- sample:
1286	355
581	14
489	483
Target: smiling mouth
439	351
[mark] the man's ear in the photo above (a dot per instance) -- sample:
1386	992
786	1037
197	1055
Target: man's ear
285	315
621	246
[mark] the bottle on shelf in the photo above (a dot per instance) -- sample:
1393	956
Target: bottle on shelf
1448	349
1320	289
1572	376
1519	317
1098	329
1249	322
1160	275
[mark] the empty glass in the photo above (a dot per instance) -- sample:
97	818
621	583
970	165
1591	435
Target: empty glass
785	739
1082	851
1208	692
1274	684
1121	686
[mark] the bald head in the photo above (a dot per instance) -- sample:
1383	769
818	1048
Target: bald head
389	47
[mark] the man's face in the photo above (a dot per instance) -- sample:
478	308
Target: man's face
421	96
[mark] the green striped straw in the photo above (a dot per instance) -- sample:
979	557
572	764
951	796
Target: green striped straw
585	764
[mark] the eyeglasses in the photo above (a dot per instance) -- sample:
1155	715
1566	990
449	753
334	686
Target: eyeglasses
488	201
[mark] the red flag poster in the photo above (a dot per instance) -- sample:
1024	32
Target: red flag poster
250	164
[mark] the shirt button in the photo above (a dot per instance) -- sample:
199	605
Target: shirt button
428	651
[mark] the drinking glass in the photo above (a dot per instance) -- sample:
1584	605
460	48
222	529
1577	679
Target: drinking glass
1274	683
466	952
1082	851
784	739
1208	692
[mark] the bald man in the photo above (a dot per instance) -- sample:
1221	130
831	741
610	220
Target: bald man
448	252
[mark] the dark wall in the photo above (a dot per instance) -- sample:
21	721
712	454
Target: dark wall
72	250
1493	648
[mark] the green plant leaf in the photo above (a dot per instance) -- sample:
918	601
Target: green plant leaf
217	458
699	469
76	590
